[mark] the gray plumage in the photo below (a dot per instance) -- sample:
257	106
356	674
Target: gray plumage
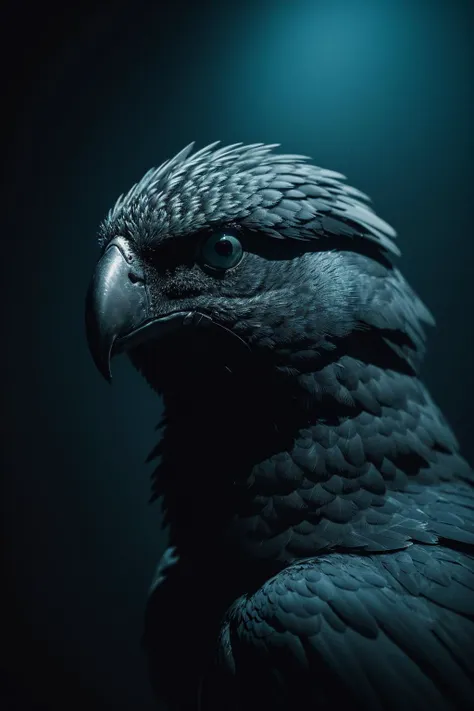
321	516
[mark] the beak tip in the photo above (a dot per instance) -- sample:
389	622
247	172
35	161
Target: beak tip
104	367
104	370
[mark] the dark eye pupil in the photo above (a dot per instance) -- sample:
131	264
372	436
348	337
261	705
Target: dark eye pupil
223	247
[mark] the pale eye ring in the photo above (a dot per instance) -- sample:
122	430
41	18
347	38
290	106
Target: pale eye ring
221	251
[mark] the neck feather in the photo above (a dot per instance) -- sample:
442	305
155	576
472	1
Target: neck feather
275	467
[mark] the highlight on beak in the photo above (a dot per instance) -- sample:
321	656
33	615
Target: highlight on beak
116	303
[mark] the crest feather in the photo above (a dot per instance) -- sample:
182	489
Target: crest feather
283	195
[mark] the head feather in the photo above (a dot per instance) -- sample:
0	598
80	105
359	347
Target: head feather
282	195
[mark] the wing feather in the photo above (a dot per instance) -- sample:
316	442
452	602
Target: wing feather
371	632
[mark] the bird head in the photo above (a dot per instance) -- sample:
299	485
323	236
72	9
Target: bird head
238	257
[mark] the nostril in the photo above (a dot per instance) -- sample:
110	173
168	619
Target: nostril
134	278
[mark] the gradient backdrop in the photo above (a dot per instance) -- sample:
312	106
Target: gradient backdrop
380	91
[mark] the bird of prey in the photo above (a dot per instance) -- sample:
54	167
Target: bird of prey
321	516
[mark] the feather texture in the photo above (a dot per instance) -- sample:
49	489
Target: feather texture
375	624
248	183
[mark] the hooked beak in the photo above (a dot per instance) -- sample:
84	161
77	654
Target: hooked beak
116	303
118	310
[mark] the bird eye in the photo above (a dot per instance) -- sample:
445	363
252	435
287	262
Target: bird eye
221	251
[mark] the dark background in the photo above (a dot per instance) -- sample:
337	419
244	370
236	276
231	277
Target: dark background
380	91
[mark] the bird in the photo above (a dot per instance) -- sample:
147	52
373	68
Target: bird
320	515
